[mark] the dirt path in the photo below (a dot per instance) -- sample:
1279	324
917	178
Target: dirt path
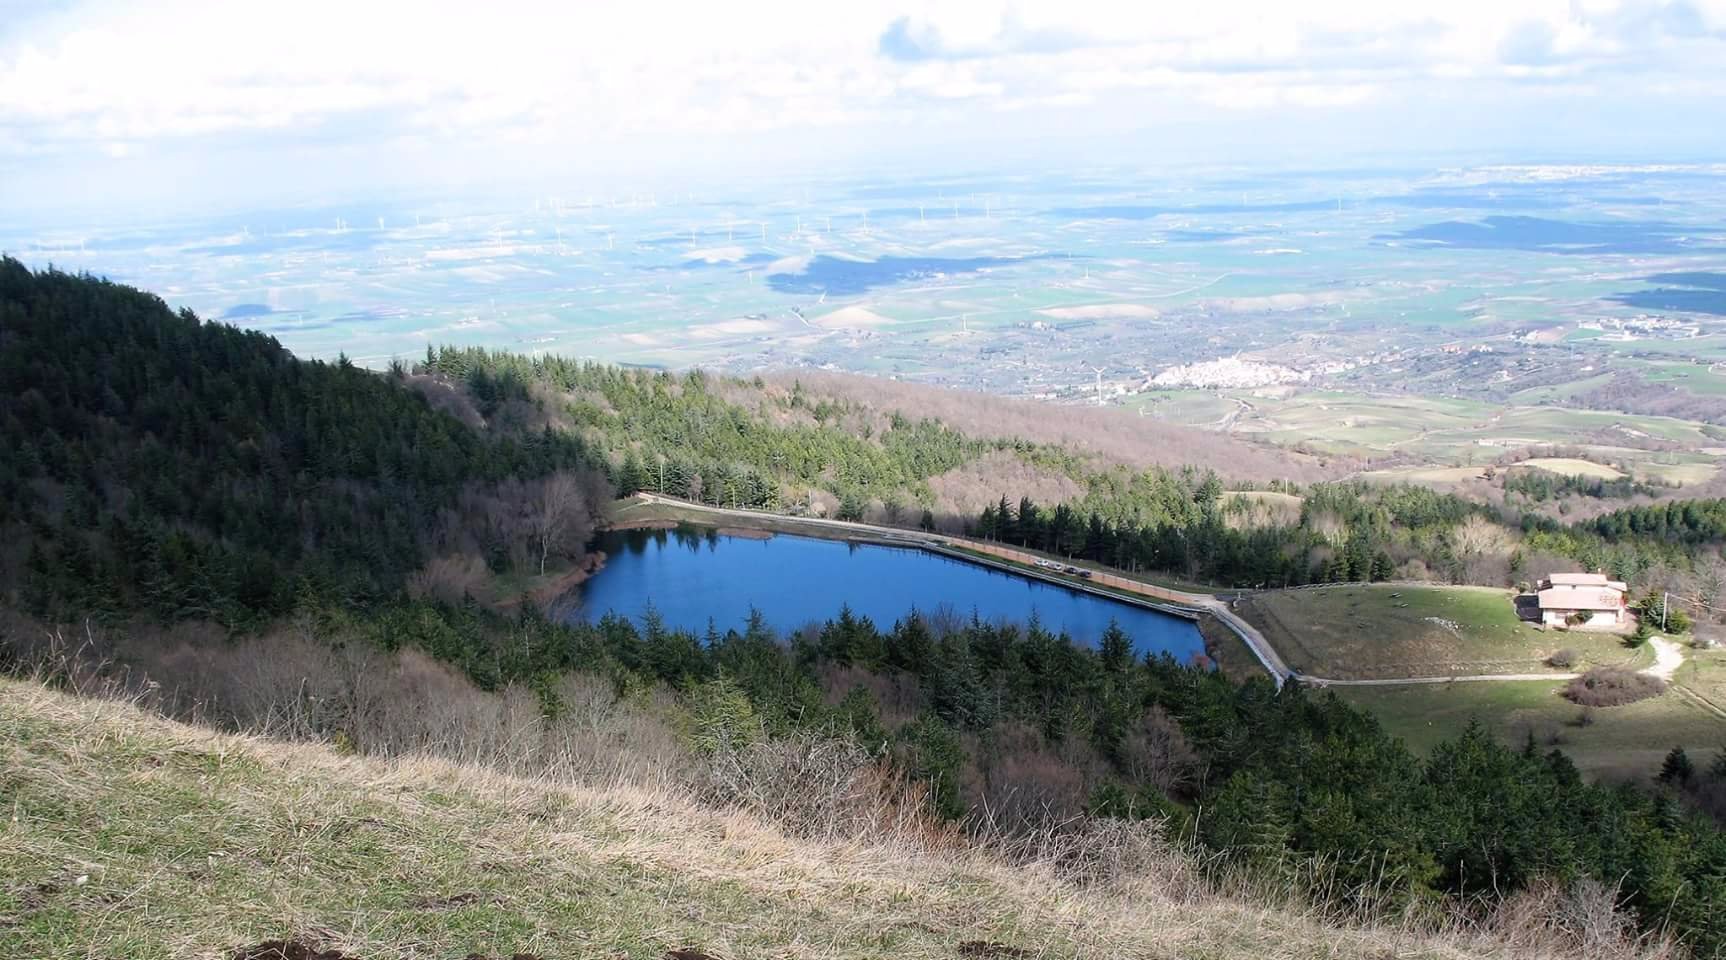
1667	659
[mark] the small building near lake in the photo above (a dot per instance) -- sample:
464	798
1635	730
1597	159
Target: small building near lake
1584	599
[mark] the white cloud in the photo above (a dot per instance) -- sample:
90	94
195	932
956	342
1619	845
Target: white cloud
115	77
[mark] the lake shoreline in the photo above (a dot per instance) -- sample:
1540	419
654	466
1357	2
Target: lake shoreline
1223	644
797	580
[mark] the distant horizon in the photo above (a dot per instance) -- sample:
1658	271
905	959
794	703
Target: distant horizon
111	112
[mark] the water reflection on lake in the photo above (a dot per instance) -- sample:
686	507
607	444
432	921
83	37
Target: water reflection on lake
689	576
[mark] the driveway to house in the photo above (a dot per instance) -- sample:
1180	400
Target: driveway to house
1668	657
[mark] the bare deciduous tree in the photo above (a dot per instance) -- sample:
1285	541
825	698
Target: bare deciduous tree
560	514
1482	548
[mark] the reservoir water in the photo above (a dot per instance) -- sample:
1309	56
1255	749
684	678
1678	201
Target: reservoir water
690	576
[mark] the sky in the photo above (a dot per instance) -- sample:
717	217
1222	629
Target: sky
179	104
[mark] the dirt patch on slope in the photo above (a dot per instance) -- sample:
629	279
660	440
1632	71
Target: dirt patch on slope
286	950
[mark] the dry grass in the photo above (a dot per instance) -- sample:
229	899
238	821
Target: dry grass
129	835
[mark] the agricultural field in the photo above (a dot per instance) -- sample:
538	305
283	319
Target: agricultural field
1707	380
1443	440
1389	631
1196	408
1613	743
1426	475
1572	467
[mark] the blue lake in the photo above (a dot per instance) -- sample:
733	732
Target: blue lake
689	577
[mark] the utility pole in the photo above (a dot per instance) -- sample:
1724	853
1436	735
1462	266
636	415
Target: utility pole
1665	598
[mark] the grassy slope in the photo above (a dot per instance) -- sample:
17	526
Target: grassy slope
126	835
1619	742
1387	630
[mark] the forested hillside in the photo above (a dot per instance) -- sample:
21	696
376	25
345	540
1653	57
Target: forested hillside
150	461
853	449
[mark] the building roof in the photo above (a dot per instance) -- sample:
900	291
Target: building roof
1576	579
1593	597
1583	580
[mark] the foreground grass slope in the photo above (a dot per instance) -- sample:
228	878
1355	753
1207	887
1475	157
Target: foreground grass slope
124	835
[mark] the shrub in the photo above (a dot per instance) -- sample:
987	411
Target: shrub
1586	916
1578	618
1562	659
1612	687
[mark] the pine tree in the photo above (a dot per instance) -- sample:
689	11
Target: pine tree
1115	648
1676	769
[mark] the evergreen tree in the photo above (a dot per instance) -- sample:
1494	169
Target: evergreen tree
1676	769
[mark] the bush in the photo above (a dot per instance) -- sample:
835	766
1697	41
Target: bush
1562	659
1578	618
1612	687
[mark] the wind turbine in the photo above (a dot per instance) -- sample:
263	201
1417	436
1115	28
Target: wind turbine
1099	372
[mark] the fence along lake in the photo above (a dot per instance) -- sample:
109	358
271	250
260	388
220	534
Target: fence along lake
689	576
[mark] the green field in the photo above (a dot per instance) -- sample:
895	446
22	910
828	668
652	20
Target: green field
1693	377
1572	467
1616	742
1199	408
1386	631
1447	432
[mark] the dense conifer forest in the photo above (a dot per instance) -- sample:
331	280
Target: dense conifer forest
155	462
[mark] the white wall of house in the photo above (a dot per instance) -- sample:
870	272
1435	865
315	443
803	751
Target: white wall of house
1601	618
